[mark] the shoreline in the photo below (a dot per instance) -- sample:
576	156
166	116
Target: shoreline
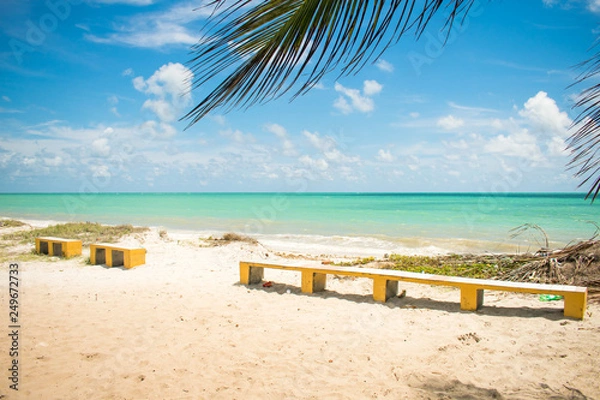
341	245
405	222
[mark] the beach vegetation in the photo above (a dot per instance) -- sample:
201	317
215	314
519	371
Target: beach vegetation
358	261
577	264
469	266
466	266
11	223
87	232
271	48
231	237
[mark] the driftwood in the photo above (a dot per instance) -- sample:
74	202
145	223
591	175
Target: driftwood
578	265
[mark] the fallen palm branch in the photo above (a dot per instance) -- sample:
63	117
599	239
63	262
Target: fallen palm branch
578	265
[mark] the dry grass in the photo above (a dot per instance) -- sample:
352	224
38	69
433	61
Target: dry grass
231	237
87	232
471	266
10	223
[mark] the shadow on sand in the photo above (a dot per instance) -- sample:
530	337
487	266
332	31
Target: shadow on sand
553	314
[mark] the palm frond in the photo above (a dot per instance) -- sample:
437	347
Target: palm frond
264	50
584	143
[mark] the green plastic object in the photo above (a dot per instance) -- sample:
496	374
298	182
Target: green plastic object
550	297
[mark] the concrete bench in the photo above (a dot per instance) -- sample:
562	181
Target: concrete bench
58	247
114	256
385	284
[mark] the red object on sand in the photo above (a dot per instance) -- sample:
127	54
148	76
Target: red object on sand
268	284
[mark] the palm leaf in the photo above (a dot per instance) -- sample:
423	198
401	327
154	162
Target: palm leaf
266	49
585	141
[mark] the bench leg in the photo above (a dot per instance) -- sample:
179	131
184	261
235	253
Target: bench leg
136	257
313	282
575	304
383	289
471	298
250	275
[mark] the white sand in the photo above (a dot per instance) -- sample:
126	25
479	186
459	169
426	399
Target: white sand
181	327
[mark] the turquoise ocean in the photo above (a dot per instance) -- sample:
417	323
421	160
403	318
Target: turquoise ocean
409	218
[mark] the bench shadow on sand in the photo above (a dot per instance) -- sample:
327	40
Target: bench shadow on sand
408	302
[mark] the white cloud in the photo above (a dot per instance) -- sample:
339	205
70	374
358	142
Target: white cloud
138	83
171	80
321	143
218	118
277	130
100	147
83	27
594	5
557	147
357	101
288	147
330	161
384	66
337	156
371	87
113	100
6	98
53	162
310	162
544	116
460	145
414	115
100	171
450	122
385	155
127	72
157	29
237	136
342	104
518	144
163	109
157	129
10	111
170	87
471	109
29	161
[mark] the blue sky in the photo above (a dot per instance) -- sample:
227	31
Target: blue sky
91	92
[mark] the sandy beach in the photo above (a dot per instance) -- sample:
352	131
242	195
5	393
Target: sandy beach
182	327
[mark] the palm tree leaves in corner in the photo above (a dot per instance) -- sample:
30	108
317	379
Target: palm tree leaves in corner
265	48
275	44
585	142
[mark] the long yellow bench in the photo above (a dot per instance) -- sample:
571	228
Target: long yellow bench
385	284
59	247
114	256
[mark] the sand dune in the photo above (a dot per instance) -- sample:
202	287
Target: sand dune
181	327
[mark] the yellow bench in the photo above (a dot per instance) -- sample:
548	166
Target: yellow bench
114	256
385	284
58	247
